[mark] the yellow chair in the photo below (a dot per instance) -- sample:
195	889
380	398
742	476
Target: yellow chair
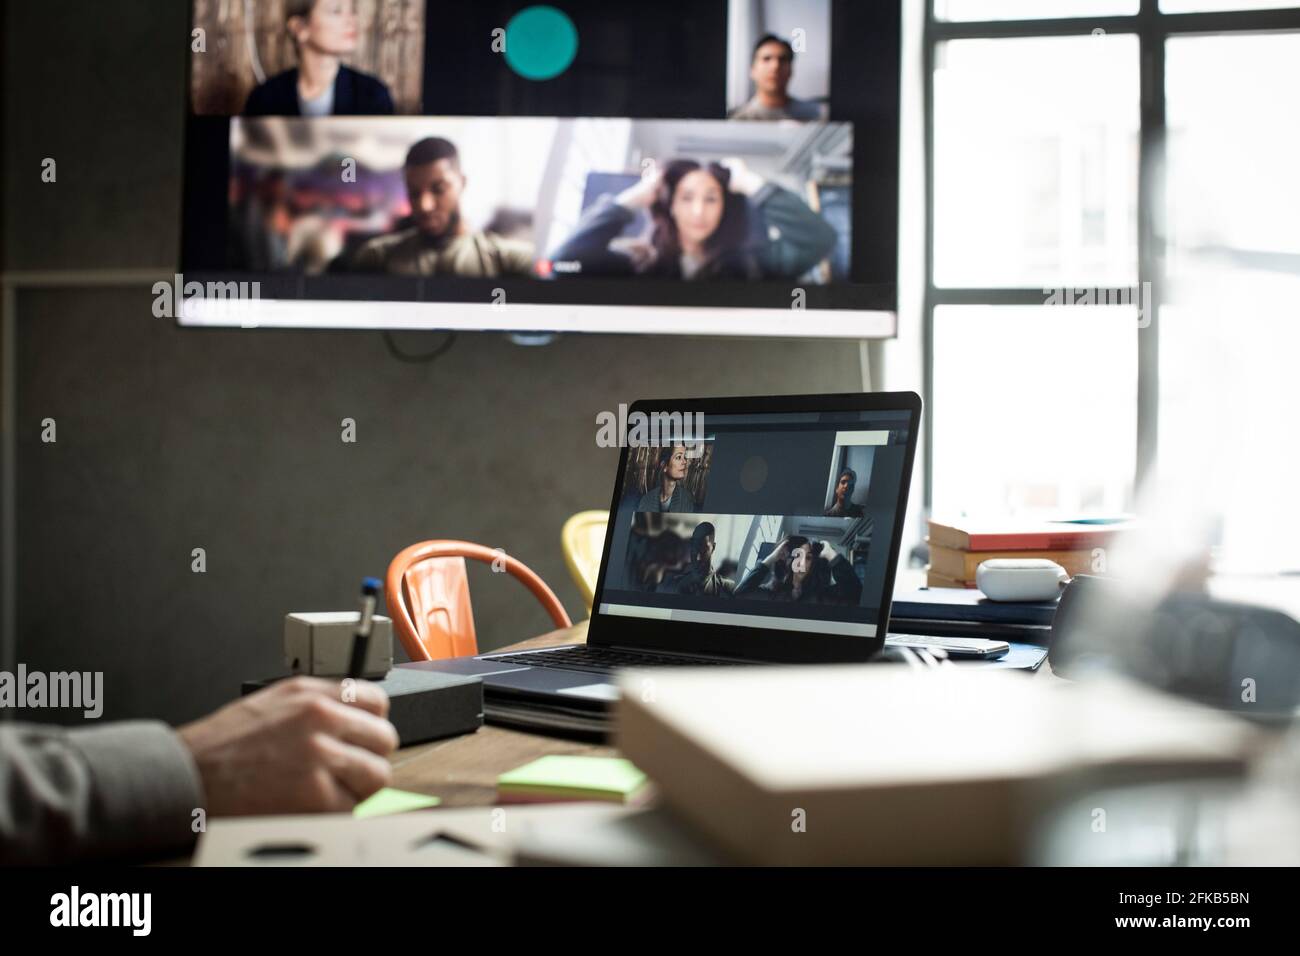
583	540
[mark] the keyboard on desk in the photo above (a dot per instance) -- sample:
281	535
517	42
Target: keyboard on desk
602	660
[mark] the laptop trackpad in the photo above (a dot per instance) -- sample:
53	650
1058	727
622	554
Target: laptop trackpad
467	665
592	691
548	680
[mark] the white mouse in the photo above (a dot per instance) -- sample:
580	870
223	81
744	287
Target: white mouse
1020	579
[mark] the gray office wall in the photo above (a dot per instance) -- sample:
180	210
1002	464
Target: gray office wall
170	439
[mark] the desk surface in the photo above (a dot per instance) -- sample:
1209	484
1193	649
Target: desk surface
463	770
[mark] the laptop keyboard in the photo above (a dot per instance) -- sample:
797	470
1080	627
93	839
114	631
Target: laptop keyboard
602	660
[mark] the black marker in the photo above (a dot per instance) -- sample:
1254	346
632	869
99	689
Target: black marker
361	640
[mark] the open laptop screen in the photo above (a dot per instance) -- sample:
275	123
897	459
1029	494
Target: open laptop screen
779	527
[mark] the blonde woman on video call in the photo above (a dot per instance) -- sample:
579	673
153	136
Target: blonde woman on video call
323	33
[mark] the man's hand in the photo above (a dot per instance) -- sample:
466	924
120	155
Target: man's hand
293	747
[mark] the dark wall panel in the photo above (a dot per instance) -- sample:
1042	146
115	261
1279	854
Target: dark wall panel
172	439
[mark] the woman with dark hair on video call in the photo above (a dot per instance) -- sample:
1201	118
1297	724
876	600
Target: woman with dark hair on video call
700	227
810	572
323	32
668	492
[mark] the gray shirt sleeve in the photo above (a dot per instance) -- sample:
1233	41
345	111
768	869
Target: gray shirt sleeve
126	788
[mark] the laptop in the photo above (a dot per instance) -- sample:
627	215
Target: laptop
743	531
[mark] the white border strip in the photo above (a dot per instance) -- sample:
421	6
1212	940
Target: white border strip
526	317
842	628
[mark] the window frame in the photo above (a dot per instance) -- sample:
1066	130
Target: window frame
1152	28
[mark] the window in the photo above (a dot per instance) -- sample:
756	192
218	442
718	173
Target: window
1135	156
1031	9
1210	6
1035	166
1233	144
1229	328
1045	419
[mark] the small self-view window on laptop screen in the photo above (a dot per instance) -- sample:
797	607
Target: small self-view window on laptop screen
771	535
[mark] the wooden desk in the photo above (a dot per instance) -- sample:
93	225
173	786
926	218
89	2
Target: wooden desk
463	770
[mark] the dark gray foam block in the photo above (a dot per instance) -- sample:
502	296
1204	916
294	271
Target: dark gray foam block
423	705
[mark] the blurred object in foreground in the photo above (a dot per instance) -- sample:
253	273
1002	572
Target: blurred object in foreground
1183	823
878	765
1237	647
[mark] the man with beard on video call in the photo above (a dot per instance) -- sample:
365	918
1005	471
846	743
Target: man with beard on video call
699	577
438	242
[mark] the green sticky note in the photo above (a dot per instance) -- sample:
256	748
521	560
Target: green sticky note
594	774
388	800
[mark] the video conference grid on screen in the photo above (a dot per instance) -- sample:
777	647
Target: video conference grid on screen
691	141
763	521
554	198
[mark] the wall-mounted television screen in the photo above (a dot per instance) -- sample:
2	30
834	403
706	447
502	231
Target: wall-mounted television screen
702	167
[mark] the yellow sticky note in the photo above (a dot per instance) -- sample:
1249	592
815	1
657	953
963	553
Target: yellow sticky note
388	800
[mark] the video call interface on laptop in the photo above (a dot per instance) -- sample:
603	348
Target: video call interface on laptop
778	521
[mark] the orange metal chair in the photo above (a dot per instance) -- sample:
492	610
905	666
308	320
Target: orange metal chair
427	592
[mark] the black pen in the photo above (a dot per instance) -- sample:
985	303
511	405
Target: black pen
361	640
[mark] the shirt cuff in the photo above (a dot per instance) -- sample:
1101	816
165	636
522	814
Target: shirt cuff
146	787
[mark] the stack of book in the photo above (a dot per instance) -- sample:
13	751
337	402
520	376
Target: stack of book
957	548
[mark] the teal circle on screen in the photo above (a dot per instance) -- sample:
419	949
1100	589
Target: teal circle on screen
541	42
